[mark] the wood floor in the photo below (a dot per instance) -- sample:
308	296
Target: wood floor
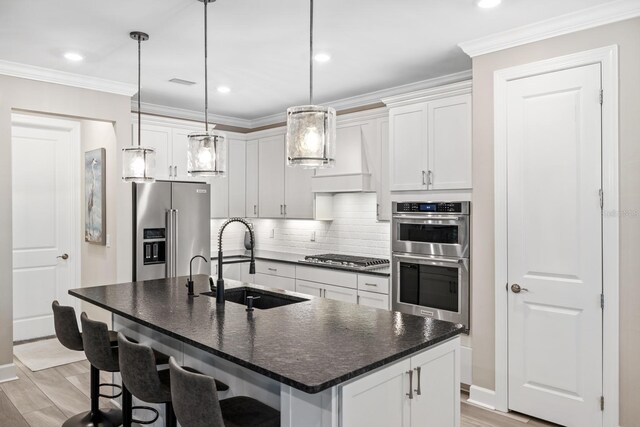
47	398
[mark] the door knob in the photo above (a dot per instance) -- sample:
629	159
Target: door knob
63	256
516	289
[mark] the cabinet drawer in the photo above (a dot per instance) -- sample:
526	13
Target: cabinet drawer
325	275
372	299
340	294
309	288
277	282
276	268
370	283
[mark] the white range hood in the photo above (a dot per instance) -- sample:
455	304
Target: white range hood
354	154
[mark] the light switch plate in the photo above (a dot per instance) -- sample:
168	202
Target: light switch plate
312	236
273	233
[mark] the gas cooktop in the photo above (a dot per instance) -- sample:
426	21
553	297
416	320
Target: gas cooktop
345	261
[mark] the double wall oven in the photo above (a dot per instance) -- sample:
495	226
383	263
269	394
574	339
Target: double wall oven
430	259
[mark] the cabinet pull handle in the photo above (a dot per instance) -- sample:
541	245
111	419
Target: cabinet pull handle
255	210
272	269
325	293
371	284
358	299
170	171
285	209
429	178
281	212
418	390
175	171
410	394
378	210
424	178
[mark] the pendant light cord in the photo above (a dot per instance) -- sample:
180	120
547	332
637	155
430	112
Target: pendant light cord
206	83
139	56
311	53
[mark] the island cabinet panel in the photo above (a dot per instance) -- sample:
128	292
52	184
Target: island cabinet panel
379	399
423	390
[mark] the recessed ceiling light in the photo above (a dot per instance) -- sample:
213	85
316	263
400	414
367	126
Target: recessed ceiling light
486	4
322	57
73	56
223	89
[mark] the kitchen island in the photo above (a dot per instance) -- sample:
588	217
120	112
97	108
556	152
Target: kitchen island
320	362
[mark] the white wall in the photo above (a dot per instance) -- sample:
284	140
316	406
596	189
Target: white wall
354	231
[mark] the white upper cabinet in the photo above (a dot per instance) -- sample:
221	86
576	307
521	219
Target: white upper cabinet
449	126
271	176
159	138
384	194
237	178
408	147
298	196
430	139
180	148
251	186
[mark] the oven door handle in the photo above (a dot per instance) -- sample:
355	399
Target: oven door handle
429	259
430	218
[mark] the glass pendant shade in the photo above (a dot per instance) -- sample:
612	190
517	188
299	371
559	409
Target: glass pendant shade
207	154
311	136
138	164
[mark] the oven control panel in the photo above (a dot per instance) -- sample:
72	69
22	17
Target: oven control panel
431	207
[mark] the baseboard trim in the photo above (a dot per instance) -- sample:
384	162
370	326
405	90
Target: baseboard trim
482	397
8	372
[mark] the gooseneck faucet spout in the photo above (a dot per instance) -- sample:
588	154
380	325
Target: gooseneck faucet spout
190	281
252	263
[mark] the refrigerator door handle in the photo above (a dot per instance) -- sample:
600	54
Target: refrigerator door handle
169	247
175	243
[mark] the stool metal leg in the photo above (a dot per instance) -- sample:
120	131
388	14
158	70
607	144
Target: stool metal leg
96	417
170	415
127	402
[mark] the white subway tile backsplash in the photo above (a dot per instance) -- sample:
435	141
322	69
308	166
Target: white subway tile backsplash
353	231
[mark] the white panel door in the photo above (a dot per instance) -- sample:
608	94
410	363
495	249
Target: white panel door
271	177
237	178
372	299
251	195
555	246
158	138
450	143
408	147
339	293
298	196
309	288
219	196
43	227
179	150
384	195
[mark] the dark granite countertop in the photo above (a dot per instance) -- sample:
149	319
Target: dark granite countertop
292	258
311	345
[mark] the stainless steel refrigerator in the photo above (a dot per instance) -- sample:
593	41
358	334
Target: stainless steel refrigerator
171	224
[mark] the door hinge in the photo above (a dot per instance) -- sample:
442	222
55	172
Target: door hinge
601	96
601	195
602	301
602	403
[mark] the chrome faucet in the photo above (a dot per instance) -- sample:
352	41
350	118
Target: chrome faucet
252	263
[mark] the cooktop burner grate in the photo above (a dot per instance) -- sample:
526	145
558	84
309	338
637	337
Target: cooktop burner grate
348	261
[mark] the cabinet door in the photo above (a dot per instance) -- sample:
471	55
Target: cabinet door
340	294
219	196
372	299
158	138
384	194
179	149
309	288
379	399
298	196
236	178
276	282
450	143
251	195
271	177
436	378
408	147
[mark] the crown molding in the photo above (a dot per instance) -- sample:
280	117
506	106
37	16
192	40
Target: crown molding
197	116
453	89
373	97
48	75
584	19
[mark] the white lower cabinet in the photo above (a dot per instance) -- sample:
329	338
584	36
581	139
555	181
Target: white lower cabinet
339	293
309	288
423	390
277	282
372	299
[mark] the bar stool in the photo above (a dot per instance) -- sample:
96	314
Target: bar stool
100	353
196	403
66	326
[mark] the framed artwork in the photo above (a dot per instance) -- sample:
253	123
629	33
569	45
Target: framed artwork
95	222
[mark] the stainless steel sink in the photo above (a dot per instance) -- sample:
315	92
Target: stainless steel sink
263	299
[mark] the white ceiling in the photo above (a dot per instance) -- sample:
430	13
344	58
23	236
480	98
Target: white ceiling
259	48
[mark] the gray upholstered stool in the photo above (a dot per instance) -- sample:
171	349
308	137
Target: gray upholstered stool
66	327
196	403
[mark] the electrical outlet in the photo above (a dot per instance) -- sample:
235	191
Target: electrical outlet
312	237
273	233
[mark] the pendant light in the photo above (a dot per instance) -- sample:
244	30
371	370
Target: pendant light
207	151
138	162
311	129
